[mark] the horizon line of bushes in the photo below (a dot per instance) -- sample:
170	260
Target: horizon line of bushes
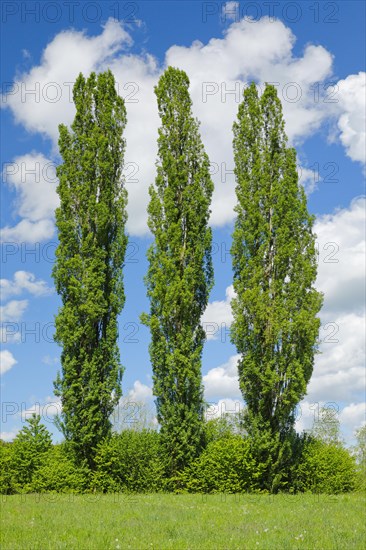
131	462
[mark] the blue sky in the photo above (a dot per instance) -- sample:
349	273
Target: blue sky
313	51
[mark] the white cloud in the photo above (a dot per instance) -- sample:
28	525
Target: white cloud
9	334
222	381
33	177
8	436
353	416
263	51
350	417
218	315
23	281
28	232
351	123
7	361
13	310
308	179
139	392
42	98
220	69
341	241
339	372
222	407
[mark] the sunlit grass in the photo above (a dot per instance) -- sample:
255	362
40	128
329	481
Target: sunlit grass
183	521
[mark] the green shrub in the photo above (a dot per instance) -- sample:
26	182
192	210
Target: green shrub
6	478
325	468
224	426
29	448
59	473
226	465
130	462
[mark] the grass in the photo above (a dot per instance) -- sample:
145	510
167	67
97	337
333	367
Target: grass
193	522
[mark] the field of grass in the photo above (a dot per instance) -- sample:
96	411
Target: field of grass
183	521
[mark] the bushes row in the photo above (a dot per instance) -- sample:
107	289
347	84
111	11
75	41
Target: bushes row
131	462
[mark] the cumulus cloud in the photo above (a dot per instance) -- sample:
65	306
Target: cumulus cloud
33	178
341	242
222	407
218	71
7	361
139	392
218	315
28	232
9	334
13	310
38	98
339	372
353	416
222	381
351	123
23	281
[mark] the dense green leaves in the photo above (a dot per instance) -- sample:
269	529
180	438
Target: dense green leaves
180	273
326	468
274	262
132	462
88	271
21	459
225	466
129	462
59	473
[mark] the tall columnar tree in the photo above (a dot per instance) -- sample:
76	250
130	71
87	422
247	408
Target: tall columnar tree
180	273
89	259
275	325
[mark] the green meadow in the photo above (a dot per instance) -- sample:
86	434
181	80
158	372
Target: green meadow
167	521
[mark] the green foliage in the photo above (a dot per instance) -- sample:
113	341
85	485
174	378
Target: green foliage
225	466
60	474
326	468
275	327
218	428
224	426
25	456
6	477
88	270
180	273
130	462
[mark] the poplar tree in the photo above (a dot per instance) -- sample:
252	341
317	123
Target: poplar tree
89	259
180	273
275	325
